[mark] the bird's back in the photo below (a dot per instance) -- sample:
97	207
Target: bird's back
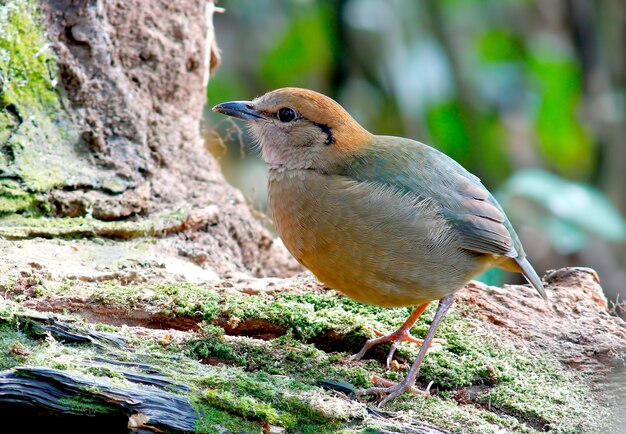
474	214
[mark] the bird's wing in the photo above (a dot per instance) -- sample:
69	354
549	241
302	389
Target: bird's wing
479	219
427	173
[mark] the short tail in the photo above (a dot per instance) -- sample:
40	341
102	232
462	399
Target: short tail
531	275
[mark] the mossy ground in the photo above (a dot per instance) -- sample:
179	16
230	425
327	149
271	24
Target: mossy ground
482	381
19	226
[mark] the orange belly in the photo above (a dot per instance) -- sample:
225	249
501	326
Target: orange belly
374	245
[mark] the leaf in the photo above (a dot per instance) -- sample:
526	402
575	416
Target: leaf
450	135
448	131
501	45
564	236
303	51
564	142
493	277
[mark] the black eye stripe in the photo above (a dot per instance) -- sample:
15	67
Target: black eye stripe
330	139
287	114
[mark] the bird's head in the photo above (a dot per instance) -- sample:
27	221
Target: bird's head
299	128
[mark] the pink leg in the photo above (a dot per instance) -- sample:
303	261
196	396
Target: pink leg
401	335
409	381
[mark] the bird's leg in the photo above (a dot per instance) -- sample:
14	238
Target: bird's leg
403	334
409	380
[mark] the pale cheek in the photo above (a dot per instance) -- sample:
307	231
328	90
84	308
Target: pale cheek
271	155
256	131
299	149
274	144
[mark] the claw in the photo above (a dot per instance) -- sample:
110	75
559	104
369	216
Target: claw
397	337
392	389
409	337
394	345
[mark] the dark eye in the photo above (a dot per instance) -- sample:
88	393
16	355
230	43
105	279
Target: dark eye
286	114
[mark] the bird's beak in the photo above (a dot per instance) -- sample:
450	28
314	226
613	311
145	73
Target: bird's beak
239	109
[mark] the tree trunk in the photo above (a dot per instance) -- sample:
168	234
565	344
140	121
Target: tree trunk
134	288
102	120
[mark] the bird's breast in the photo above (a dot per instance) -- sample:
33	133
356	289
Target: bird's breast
375	244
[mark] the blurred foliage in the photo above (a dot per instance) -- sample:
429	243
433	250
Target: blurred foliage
563	140
500	86
565	211
305	33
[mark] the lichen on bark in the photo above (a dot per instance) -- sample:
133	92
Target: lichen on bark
28	106
37	135
29	67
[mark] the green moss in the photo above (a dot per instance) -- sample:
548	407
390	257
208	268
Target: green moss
524	390
87	406
15	346
29	73
224	396
458	418
275	399
7	283
31	122
37	135
28	65
7	126
283	356
308	366
40	167
13	198
105	328
212	420
482	381
247	407
18	226
104	371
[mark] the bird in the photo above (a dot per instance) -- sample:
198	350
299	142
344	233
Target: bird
386	221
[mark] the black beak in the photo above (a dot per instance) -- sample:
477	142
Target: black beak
239	109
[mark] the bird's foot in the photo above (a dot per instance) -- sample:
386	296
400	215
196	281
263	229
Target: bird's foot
392	390
401	335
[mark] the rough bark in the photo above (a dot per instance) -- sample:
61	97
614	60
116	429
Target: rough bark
120	138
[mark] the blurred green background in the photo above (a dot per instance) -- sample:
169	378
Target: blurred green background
527	95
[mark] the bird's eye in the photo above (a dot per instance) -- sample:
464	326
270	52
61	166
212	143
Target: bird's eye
286	114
